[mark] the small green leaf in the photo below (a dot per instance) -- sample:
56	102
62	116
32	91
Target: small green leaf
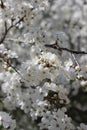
11	71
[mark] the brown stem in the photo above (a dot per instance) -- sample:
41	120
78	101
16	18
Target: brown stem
8	29
56	46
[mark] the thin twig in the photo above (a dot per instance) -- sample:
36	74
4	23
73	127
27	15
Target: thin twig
72	51
75	60
56	46
8	29
6	60
4	56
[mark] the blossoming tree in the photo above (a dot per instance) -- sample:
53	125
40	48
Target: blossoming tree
43	64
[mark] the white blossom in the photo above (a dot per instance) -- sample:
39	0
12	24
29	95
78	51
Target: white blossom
42	87
6	121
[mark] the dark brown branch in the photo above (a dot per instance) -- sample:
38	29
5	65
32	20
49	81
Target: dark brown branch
72	51
8	29
2	5
56	46
5	59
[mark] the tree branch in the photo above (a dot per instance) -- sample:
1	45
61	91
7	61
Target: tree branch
2	5
57	47
4	58
8	29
